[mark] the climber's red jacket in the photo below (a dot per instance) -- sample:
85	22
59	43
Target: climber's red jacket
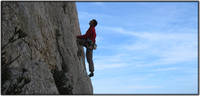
91	34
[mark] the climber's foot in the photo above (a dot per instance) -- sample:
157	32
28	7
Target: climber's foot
91	74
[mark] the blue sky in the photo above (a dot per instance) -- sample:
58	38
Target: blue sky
143	47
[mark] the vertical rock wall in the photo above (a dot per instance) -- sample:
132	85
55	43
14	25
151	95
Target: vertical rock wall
39	49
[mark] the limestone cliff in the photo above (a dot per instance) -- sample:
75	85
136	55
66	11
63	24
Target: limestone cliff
39	49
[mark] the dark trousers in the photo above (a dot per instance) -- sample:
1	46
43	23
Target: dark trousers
89	53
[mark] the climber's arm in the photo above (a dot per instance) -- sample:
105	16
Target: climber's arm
85	35
82	36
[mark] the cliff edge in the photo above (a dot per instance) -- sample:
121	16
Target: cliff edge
39	49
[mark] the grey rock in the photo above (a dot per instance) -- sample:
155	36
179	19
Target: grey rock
39	49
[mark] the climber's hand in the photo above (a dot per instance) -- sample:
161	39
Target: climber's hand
95	46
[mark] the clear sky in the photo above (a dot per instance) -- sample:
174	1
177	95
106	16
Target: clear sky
143	47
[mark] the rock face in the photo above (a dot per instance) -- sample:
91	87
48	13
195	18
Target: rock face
39	49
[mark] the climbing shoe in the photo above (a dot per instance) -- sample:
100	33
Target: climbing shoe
91	74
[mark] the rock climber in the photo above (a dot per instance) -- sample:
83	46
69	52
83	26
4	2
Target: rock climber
88	40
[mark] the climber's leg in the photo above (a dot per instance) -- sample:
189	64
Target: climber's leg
80	42
89	53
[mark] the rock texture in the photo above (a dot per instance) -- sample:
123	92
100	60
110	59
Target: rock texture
39	49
